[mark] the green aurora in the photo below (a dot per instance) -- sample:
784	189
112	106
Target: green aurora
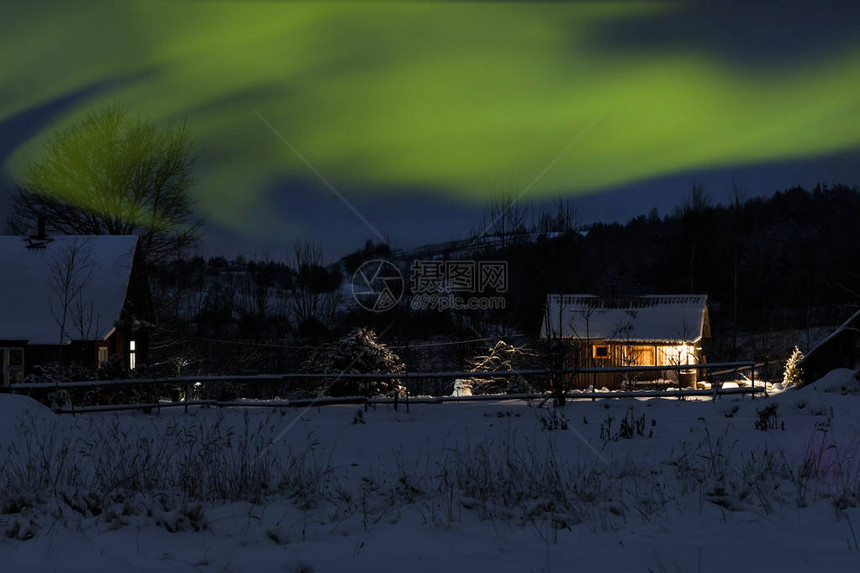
446	97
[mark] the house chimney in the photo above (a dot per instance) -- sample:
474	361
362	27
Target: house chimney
40	240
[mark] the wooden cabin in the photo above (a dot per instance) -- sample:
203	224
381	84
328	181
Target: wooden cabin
66	298
652	330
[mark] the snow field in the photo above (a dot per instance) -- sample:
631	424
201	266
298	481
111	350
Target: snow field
626	485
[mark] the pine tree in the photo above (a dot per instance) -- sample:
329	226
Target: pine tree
359	352
793	374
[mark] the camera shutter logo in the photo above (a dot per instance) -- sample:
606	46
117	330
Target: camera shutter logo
377	285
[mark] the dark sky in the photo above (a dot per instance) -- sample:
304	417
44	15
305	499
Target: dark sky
414	114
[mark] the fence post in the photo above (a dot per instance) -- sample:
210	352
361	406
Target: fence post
752	380
713	386
593	386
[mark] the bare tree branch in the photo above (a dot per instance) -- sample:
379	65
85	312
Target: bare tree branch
113	174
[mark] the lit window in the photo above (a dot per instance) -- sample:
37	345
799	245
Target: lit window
600	352
132	355
678	355
103	354
639	355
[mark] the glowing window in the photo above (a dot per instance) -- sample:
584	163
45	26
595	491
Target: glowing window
639	355
132	355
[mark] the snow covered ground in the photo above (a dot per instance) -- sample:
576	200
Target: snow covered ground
611	485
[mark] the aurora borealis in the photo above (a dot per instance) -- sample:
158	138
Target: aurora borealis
439	96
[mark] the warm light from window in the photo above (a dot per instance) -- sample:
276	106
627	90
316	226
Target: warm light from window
678	355
132	355
639	355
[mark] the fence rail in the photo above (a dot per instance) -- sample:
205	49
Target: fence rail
366	402
722	368
728	366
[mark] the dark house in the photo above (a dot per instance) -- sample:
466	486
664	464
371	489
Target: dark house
839	350
71	298
653	330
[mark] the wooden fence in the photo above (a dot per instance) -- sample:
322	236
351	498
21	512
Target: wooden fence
183	388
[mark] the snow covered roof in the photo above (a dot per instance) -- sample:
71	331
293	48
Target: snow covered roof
31	307
652	318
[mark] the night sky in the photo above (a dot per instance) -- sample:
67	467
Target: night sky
412	112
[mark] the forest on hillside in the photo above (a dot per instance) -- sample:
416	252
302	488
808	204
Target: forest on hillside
790	261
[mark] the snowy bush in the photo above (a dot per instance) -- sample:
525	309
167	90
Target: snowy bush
501	357
359	352
54	372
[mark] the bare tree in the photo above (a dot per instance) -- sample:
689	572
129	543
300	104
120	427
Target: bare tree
697	201
314	295
70	272
556	351
84	318
504	216
682	353
113	174
219	311
737	199
692	211
629	356
737	194
253	290
561	218
568	345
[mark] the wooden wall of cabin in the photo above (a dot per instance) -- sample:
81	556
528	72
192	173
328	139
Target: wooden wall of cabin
600	354
86	352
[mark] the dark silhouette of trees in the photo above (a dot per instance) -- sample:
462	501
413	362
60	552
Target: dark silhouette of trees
505	216
314	292
112	173
783	262
788	261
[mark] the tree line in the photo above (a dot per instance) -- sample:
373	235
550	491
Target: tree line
788	261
